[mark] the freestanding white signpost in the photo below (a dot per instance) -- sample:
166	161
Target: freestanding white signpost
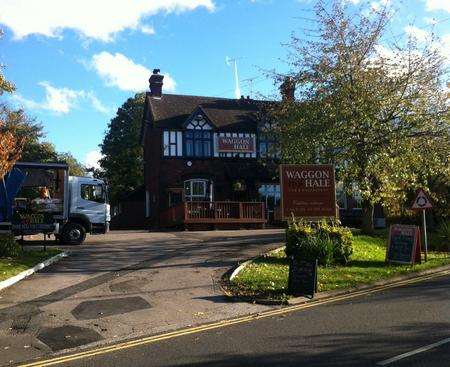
422	202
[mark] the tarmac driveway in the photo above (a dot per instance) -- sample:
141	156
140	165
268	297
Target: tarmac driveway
125	284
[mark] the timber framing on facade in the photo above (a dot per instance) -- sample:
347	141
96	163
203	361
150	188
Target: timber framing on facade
205	161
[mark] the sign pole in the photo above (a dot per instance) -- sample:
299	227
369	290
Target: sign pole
422	202
425	233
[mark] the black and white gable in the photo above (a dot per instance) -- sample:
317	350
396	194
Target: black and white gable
198	120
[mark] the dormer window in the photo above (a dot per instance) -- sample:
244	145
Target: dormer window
198	138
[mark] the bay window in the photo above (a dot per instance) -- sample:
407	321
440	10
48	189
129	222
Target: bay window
198	190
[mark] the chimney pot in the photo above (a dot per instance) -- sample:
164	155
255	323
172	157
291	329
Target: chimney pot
287	89
156	83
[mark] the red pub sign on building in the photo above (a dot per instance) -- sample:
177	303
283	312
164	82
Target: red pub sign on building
227	144
308	191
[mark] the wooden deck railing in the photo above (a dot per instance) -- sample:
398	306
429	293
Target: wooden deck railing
214	212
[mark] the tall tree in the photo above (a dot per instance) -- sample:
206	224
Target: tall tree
373	106
10	149
11	145
122	160
75	167
31	133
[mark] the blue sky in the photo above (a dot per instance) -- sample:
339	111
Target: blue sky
75	62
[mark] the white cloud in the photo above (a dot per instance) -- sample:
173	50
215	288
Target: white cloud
430	21
378	5
147	29
445	50
433	5
419	34
98	19
395	60
60	100
96	103
375	5
119	71
92	159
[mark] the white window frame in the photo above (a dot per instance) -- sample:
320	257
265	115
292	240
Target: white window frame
172	143
196	197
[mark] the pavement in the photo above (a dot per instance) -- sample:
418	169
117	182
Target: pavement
123	285
403	326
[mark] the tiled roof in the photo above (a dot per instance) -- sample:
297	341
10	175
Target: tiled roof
172	110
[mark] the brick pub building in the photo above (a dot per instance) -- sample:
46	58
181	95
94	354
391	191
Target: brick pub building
209	163
205	162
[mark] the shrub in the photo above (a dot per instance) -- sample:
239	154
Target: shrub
328	243
341	238
441	239
8	246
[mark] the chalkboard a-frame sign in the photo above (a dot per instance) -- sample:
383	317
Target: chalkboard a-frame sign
404	244
302	277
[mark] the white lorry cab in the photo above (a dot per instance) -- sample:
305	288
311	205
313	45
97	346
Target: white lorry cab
43	198
89	211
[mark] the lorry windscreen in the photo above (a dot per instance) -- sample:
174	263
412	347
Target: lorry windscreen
93	192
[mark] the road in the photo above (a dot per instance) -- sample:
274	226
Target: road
123	285
367	330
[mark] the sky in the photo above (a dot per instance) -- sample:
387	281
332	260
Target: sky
75	62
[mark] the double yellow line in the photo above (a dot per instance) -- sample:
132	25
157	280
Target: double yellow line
220	324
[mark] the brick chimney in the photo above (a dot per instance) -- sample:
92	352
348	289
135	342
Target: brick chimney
156	83
287	89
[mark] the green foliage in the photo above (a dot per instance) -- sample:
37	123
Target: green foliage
440	240
268	275
5	85
35	149
38	151
9	246
328	243
380	114
11	266
122	160
75	167
342	240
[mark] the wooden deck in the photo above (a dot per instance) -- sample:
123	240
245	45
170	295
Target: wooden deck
214	213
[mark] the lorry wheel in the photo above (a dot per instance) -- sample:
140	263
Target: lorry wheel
73	234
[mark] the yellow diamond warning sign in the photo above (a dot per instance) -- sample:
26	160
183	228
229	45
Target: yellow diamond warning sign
421	201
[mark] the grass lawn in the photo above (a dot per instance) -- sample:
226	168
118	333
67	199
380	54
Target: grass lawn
13	266
268	275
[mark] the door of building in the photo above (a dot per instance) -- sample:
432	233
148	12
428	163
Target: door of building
270	194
